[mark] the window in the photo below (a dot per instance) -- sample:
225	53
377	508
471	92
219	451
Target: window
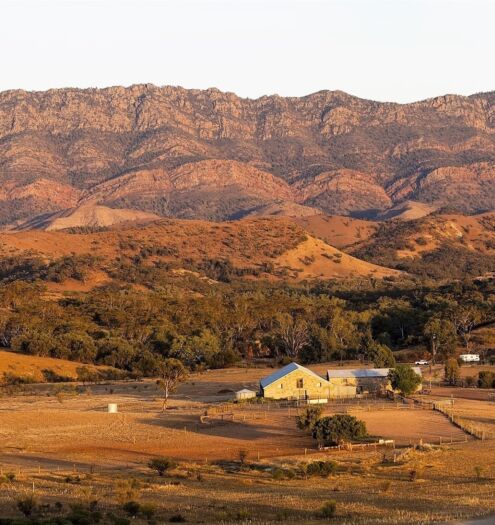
300	383
318	385
281	385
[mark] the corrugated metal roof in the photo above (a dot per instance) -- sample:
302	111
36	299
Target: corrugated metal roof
268	380
362	372
245	391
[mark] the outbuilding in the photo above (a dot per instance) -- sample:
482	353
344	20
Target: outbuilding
245	393
362	380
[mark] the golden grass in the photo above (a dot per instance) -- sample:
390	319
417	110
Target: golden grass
32	366
51	437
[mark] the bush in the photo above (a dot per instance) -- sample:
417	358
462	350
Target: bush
11	379
51	376
336	429
329	509
469	381
309	417
131	508
86	375
486	379
321	468
161	465
147	511
27	505
280	474
177	518
79	515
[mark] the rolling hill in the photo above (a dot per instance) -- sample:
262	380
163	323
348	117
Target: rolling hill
437	245
262	248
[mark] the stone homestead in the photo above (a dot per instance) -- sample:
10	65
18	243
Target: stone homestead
294	381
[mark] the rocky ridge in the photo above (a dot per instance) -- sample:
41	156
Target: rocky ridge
214	155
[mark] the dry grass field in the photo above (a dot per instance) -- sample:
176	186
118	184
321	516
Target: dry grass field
31	367
62	439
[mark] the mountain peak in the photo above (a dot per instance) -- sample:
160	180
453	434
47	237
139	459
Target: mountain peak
329	150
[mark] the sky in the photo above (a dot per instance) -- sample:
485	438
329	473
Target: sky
387	50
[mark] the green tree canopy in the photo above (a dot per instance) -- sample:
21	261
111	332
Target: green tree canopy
337	429
404	379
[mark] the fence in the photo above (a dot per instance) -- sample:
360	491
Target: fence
336	405
466	426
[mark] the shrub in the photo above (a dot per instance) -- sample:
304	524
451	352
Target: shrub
177	518
278	474
115	520
86	375
131	508
329	509
51	376
161	465
243	515
469	381
486	379
336	429
79	515
321	468
27	505
147	511
309	417
11	379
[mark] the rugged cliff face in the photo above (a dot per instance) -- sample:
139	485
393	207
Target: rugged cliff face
208	154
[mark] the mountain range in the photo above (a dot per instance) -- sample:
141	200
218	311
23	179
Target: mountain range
205	154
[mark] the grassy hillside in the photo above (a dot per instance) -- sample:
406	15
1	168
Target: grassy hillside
39	369
273	248
438	246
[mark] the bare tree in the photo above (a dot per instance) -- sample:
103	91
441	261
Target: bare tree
171	373
293	334
465	319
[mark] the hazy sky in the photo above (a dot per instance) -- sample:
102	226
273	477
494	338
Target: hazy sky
398	50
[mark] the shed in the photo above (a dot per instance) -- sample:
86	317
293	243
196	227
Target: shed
245	393
361	379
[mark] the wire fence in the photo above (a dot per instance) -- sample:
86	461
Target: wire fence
445	407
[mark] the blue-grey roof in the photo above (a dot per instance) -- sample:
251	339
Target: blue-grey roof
362	372
268	380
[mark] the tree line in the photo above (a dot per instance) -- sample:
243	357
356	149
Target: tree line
215	325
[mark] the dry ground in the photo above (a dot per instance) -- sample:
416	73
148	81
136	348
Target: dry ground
71	434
